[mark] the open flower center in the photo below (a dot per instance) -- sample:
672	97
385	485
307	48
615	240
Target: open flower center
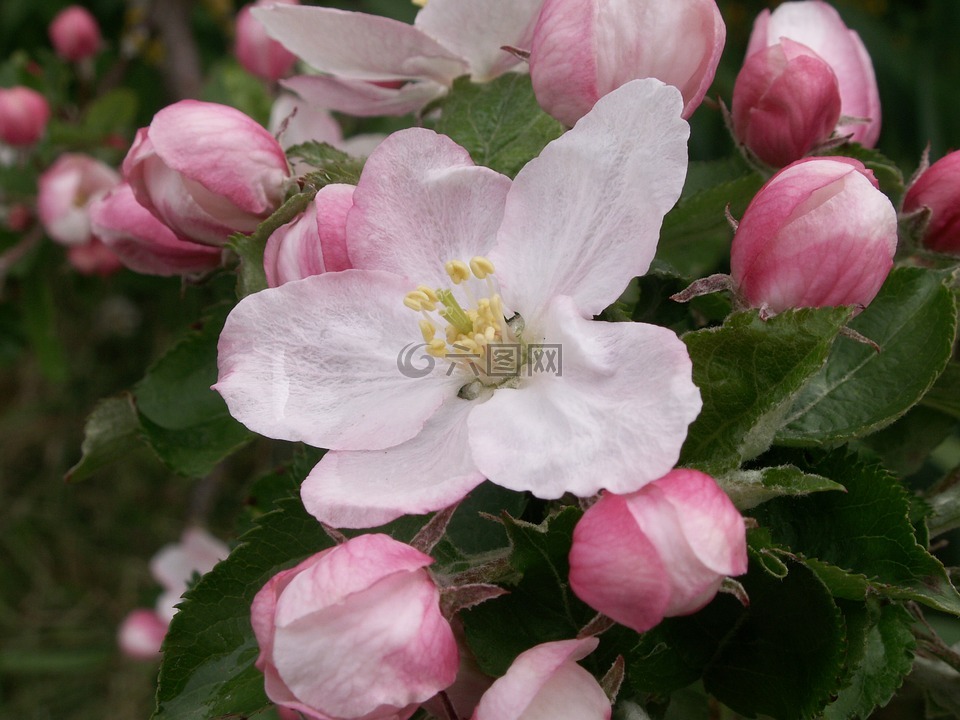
470	331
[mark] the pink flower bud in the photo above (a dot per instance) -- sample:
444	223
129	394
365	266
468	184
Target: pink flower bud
546	682
819	26
143	243
206	171
257	52
583	50
75	34
23	116
659	552
786	101
65	191
141	635
314	243
93	258
354	632
819	233
938	189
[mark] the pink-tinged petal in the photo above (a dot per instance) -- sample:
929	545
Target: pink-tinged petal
679	42
362	98
545	683
254	185
142	242
296	121
399	649
421	202
293	250
477	30
584	50
358	46
316	361
548	436
563	59
819	26
344	570
256	51
631	587
428	472
333	203
93	258
584	217
692	583
141	635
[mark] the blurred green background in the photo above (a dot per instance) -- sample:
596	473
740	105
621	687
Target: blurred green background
73	557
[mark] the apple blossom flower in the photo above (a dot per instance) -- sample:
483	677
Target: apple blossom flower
143	243
256	51
786	102
141	634
659	552
583	50
938	190
546	682
819	26
494	278
174	566
314	243
354	632
206	171
23	116
65	191
75	34
818	233
374	65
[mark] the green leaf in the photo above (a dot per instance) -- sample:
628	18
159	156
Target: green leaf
906	445
332	165
748	371
883	656
207	669
183	419
786	651
499	123
749	488
859	391
945	394
111	431
540	607
861	539
40	324
112	113
695	238
229	84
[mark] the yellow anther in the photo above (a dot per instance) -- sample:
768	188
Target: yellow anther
429	292
417	300
481	267
437	347
490	333
428	330
457	270
419	3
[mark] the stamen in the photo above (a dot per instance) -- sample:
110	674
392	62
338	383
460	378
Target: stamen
457	270
419	300
428	330
453	313
481	267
